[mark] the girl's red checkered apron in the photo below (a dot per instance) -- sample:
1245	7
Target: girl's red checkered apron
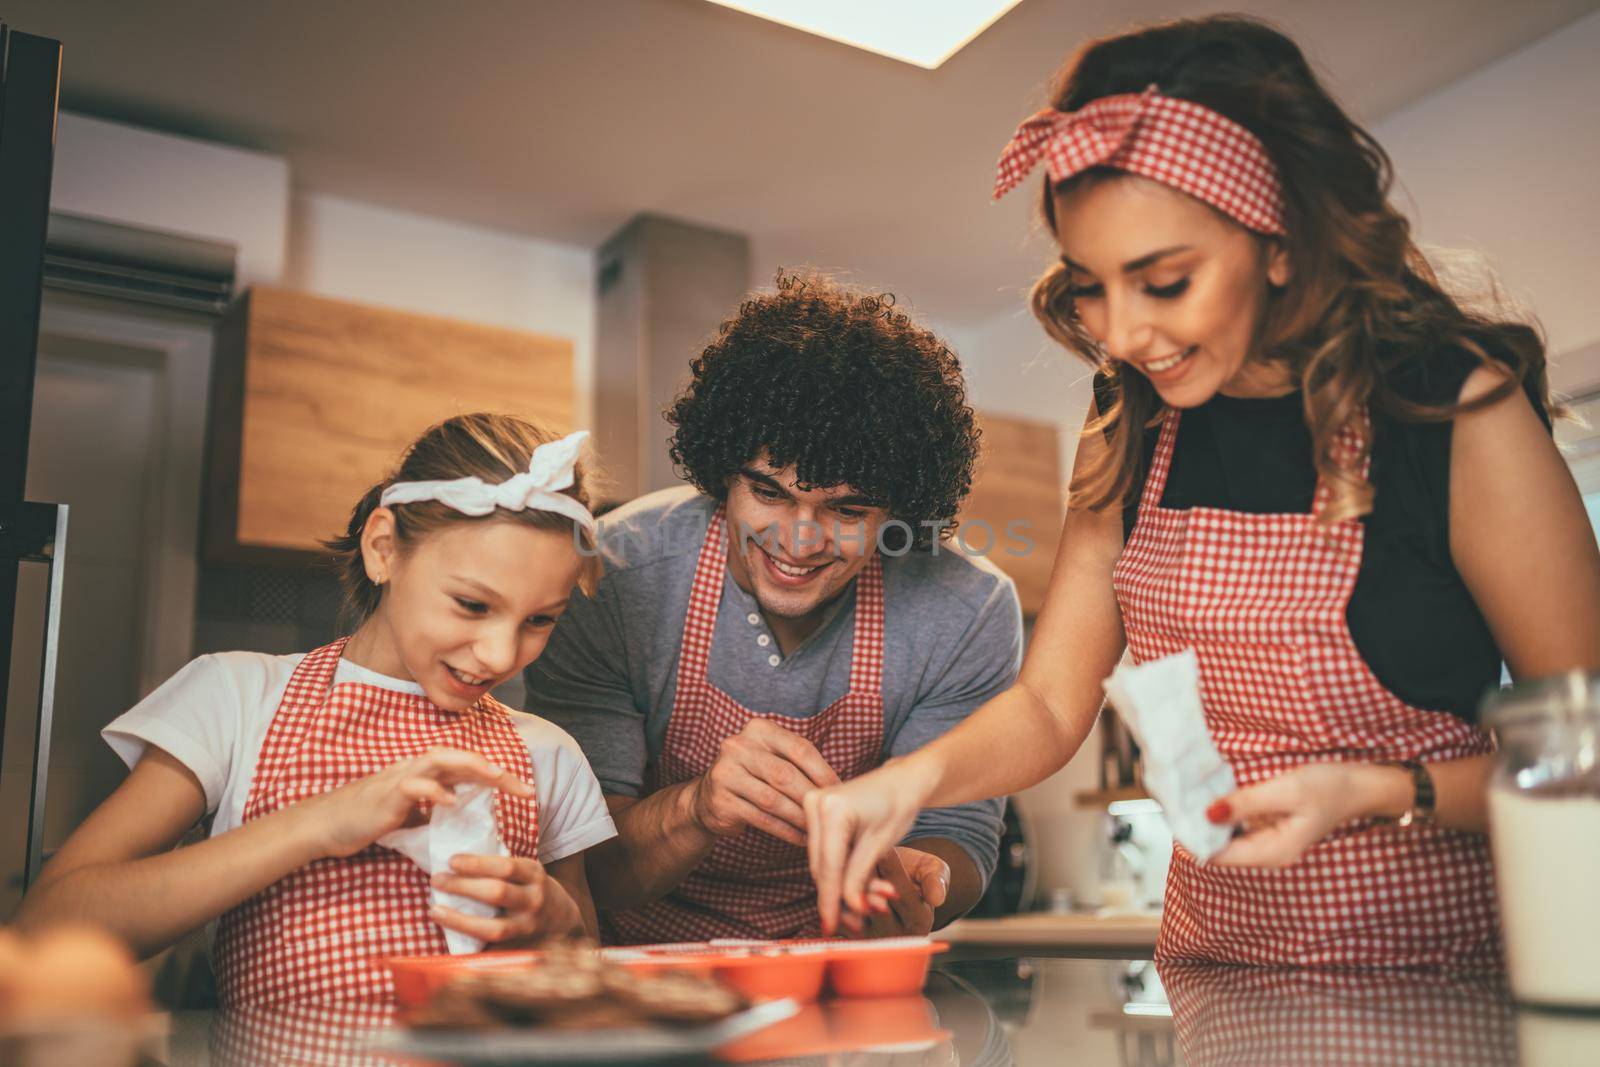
292	1034
314	935
1261	599
752	885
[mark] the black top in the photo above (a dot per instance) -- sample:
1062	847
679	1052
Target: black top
1410	615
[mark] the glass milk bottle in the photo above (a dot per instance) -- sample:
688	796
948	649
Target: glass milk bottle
1544	825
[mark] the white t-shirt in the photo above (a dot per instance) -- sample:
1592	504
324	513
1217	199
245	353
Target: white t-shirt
212	716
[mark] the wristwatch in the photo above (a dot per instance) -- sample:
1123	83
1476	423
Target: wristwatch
1422	796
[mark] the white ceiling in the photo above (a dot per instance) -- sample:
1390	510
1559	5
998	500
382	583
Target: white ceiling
562	119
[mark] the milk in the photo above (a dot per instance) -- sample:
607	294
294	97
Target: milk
1547	864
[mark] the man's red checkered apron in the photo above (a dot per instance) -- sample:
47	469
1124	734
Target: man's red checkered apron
1261	599
313	935
753	885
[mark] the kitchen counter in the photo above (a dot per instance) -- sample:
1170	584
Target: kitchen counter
1048	934
1035	1011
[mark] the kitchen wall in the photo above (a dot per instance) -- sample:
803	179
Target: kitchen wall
1505	161
158	181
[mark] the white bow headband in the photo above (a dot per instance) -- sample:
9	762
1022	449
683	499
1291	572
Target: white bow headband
550	470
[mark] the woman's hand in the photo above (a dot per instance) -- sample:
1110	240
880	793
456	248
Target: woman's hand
346	820
533	906
850	827
905	896
1283	817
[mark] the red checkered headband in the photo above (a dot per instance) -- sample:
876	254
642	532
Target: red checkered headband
1175	142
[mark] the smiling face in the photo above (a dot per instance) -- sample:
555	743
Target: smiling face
799	548
464	607
1170	287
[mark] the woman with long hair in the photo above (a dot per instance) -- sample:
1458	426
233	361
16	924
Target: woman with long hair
1306	460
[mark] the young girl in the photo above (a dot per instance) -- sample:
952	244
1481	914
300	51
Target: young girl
456	569
1305	461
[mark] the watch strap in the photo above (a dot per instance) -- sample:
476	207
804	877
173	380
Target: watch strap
1422	792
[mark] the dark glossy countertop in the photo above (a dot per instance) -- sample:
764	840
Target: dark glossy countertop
1038	1011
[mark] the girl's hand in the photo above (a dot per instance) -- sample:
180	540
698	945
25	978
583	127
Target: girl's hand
1282	817
346	820
535	906
849	827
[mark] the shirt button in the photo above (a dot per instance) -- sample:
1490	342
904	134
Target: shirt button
763	640
773	660
753	619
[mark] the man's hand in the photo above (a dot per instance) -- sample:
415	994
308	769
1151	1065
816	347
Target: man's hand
760	779
910	886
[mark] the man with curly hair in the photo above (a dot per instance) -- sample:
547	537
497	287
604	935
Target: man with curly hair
795	618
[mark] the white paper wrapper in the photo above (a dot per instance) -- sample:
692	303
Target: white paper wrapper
467	827
1160	703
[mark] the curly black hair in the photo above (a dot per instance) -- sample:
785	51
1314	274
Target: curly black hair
833	379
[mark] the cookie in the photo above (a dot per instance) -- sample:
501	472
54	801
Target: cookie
673	996
573	988
455	1008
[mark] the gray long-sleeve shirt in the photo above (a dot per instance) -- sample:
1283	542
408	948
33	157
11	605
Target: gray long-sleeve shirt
952	640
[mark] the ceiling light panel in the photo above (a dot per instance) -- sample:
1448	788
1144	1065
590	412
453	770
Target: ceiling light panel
912	31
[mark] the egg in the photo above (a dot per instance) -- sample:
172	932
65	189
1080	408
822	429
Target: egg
76	972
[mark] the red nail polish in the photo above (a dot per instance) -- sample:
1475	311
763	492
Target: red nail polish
1219	812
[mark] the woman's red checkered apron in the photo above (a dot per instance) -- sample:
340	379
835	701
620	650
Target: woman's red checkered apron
1316	1017
753	885
313	935
1261	599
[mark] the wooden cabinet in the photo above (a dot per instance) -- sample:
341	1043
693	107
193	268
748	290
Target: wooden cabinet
1018	487
313	400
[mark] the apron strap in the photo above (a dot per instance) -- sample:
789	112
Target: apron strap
705	596
1155	480
866	652
1347	444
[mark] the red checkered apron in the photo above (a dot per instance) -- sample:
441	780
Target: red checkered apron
1285	1017
313	935
294	1034
1261	599
753	885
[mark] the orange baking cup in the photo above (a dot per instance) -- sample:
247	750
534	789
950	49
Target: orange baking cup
892	967
769	973
763	970
836	1026
417	978
758	970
